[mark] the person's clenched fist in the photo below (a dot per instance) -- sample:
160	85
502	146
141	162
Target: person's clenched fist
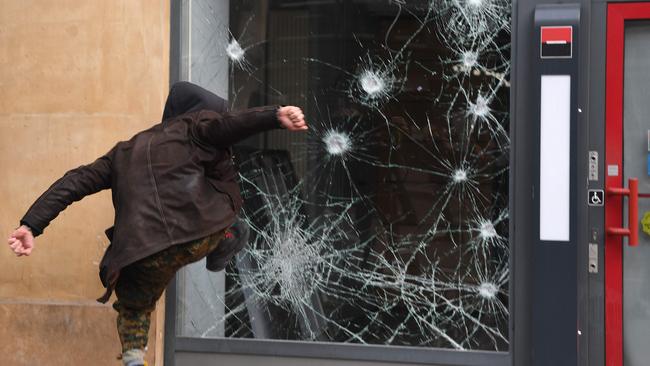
21	241
292	118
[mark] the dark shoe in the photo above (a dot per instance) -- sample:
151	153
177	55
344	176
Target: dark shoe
137	363
235	240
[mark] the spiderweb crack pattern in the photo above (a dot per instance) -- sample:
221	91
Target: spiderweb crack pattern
396	233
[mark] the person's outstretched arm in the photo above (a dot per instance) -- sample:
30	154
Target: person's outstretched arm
225	129
73	186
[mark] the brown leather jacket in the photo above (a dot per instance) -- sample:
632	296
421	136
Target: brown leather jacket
171	184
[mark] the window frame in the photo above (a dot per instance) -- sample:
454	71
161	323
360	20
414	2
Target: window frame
330	350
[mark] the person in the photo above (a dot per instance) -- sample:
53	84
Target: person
175	193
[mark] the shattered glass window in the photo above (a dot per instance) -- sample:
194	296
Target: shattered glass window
387	222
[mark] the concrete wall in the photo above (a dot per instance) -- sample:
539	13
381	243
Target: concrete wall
75	77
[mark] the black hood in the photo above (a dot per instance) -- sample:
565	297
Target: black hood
186	97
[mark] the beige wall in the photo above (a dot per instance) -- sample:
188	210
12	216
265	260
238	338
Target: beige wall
75	77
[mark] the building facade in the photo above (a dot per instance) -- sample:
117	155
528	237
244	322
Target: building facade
472	190
76	77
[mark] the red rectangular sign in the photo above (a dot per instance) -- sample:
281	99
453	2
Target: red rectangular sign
556	42
557	34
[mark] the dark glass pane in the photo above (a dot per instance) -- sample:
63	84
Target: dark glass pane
387	222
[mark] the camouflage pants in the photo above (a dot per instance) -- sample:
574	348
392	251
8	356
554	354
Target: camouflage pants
141	284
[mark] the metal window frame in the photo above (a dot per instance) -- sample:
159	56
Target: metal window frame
317	350
346	351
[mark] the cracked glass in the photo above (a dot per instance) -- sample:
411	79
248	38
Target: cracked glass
387	222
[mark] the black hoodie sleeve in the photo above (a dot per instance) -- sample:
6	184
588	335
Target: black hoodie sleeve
73	186
222	130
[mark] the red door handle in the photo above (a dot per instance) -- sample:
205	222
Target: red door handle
633	211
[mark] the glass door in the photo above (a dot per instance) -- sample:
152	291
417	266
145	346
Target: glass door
627	250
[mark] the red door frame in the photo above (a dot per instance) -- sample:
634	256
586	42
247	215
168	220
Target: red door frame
617	14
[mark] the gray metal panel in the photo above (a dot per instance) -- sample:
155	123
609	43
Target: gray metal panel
554	305
594	307
170	323
205	359
174	76
340	351
582	174
520	194
524	218
174	42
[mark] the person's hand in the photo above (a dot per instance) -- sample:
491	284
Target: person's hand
21	241
292	118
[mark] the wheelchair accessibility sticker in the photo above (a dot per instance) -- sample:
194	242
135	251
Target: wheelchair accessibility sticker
596	197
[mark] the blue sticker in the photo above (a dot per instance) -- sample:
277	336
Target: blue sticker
649	164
